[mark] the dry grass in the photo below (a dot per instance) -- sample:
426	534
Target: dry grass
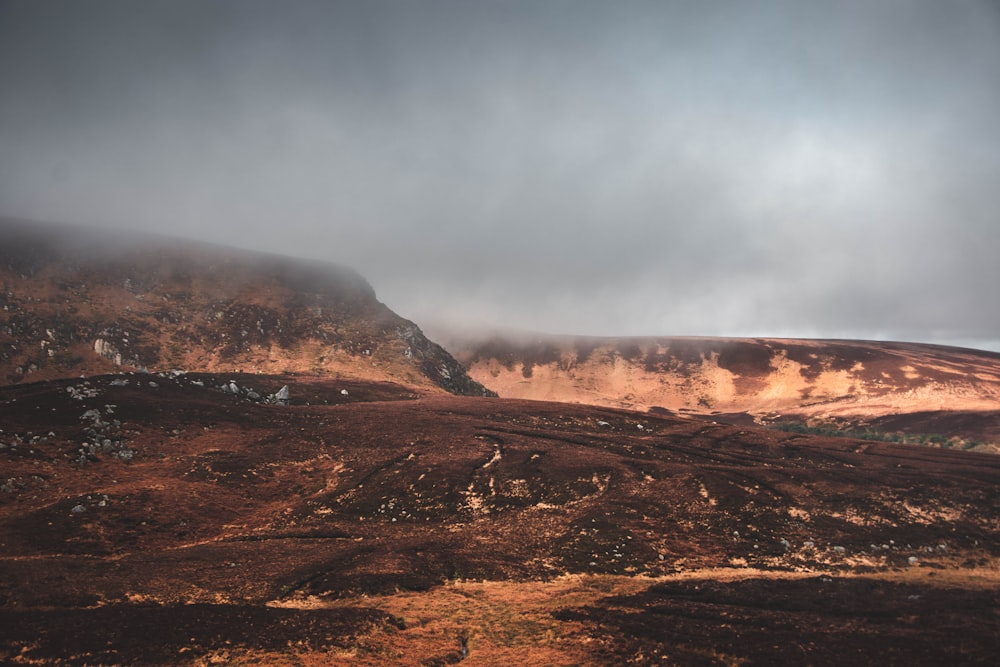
512	623
502	622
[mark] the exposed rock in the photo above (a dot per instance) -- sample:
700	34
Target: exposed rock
282	396
108	351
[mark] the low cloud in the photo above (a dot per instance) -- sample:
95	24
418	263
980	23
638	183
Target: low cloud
629	169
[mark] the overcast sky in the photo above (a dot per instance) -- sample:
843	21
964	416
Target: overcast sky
826	169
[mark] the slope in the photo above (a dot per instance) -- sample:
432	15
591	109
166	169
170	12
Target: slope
852	383
79	301
373	527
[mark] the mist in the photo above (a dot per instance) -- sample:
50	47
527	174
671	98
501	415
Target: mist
744	169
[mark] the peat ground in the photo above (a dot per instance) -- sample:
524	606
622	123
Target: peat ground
162	519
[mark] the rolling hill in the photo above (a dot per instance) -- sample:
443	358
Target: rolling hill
856	385
211	456
84	302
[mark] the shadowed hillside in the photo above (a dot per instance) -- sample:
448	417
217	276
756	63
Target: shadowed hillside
77	301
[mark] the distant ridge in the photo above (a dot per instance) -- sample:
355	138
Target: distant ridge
80	301
763	378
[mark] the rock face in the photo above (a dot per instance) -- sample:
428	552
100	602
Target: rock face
75	301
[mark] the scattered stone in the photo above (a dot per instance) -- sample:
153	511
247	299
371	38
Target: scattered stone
282	396
77	509
81	392
913	560
343	392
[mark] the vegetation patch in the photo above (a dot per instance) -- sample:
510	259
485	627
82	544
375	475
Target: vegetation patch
938	440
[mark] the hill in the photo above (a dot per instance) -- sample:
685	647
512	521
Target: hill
850	385
78	301
212	456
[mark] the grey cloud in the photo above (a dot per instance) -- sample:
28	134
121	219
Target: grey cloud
617	168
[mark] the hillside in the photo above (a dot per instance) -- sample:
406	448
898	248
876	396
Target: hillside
213	456
852	383
83	302
157	519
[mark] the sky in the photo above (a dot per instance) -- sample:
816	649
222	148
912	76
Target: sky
813	169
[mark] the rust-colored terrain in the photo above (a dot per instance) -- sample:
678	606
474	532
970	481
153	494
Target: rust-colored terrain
314	516
379	526
917	390
95	302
